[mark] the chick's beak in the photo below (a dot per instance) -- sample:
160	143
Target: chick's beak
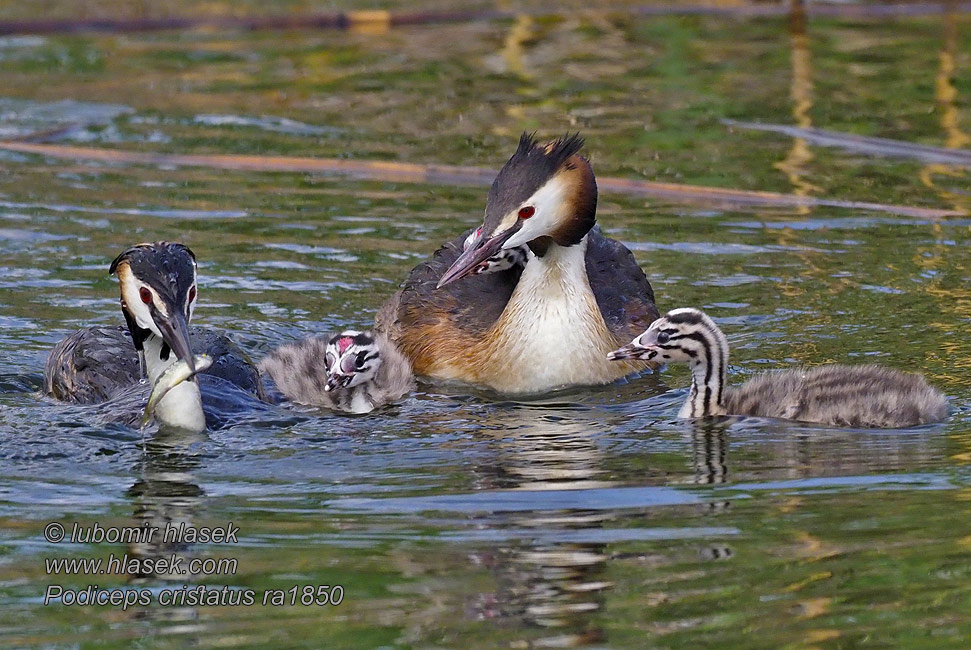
175	333
336	380
476	254
641	348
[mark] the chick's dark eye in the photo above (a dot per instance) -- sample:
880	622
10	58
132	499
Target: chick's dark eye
145	295
360	359
527	212
663	337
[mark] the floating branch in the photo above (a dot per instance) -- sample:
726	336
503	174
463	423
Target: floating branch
382	18
864	144
452	175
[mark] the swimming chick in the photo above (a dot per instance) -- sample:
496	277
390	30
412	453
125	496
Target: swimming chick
838	395
351	371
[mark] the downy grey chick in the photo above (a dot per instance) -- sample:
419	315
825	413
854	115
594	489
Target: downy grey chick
352	371
838	395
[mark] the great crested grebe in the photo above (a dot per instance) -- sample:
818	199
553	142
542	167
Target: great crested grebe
158	298
535	326
351	371
839	395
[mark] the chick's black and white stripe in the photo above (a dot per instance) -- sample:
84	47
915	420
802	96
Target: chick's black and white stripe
692	335
503	260
839	395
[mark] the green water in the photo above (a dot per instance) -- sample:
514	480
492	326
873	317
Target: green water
594	519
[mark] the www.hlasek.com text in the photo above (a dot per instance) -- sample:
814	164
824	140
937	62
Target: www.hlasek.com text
172	564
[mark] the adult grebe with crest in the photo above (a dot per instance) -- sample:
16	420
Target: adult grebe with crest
534	327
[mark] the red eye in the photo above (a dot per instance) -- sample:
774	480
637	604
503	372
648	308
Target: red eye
527	212
145	295
192	294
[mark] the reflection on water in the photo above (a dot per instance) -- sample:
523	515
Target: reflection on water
801	94
166	493
946	99
709	453
557	586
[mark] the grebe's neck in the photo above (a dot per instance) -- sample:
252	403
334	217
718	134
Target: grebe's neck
708	375
551	333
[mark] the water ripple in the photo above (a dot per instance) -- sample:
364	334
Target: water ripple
267	123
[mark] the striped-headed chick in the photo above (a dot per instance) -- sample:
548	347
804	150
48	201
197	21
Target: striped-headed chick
501	261
839	395
351	371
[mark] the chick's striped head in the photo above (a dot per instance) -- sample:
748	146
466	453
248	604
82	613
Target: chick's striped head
679	336
352	359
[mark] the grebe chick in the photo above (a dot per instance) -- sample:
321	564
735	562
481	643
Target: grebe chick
534	327
838	395
158	298
352	371
501	261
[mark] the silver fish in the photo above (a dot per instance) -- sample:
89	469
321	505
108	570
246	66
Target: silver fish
174	375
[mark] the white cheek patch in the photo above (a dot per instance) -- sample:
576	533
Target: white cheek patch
349	364
549	201
642	339
332	353
191	309
130	294
371	363
190	305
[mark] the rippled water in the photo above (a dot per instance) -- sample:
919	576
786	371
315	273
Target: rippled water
593	518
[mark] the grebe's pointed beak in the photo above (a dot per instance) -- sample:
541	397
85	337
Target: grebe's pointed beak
476	254
175	333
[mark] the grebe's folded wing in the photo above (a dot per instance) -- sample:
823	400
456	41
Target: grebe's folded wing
91	365
623	293
467	308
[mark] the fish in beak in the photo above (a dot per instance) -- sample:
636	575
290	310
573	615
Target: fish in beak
476	254
177	373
